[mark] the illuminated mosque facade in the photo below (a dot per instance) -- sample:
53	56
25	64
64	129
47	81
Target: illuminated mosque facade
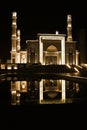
47	49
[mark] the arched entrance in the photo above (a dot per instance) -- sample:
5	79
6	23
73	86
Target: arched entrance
50	55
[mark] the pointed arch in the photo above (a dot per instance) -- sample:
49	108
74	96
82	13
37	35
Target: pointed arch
52	48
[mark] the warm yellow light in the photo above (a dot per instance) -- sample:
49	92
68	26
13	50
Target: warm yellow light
14	14
18	94
2	66
23	84
15	67
9	67
76	69
13	23
41	91
63	91
63	50
13	92
68	66
84	65
57	32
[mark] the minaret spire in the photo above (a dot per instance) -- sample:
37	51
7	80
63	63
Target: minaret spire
18	40
14	28
69	28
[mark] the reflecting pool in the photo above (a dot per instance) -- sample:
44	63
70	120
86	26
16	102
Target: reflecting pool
25	91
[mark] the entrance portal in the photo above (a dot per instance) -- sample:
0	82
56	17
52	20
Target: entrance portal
51	54
50	60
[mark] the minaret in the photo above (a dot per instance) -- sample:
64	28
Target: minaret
14	27
69	28
18	40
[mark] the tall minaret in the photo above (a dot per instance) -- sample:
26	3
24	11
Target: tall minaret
69	28
14	27
18	40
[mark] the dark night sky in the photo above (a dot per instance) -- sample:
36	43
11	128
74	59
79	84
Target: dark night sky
38	17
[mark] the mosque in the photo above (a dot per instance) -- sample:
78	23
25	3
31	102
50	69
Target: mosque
47	49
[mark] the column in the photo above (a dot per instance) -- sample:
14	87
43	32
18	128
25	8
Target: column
63	50
40	51
41	91
63	91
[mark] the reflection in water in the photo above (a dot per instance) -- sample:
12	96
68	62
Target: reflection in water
45	91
